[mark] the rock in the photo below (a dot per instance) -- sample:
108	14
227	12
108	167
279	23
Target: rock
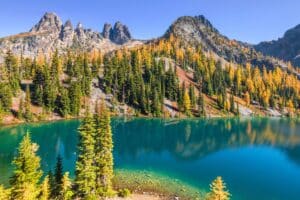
120	34
286	48
50	34
107	31
49	22
67	32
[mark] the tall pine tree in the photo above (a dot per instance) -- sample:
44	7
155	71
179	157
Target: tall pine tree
85	170
103	152
27	171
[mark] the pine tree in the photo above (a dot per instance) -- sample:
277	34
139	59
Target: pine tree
218	190
4	193
247	98
103	152
6	96
186	103
58	176
27	113
51	184
232	106
85	170
45	190
13	71
63	103
66	192
27	171
201	106
75	98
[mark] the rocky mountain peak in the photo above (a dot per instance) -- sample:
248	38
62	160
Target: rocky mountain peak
120	33
107	30
68	25
49	22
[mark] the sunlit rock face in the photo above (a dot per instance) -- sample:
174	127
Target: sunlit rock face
50	33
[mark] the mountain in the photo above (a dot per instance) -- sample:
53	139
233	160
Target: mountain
198	31
51	33
286	48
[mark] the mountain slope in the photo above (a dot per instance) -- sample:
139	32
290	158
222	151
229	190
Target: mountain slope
198	31
50	33
286	48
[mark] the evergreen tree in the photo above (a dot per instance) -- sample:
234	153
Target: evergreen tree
4	193
103	152
186	103
5	96
201	106
38	87
75	98
27	113
13	71
66	192
51	184
27	171
45	190
218	190
232	106
85	170
58	176
63	103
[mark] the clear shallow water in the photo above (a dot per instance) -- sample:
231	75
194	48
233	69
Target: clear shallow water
258	158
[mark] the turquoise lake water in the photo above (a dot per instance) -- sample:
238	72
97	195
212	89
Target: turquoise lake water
259	159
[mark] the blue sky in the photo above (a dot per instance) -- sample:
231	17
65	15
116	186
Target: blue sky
246	20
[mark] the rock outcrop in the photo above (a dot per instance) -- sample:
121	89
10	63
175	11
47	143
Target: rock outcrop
118	34
286	48
50	34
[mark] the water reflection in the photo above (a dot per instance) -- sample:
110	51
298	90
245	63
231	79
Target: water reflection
187	140
193	139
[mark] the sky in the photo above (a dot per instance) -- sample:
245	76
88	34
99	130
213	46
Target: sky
249	21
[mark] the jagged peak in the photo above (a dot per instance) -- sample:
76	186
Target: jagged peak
195	21
79	25
107	30
120	33
68	24
49	22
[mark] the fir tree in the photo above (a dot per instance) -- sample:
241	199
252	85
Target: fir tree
85	170
218	190
45	189
232	106
6	96
201	106
27	171
4	193
27	113
58	176
103	152
63	103
66	192
186	103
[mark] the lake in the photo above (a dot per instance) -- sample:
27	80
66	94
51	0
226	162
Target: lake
258	158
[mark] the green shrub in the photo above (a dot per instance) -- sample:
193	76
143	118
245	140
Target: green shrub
124	192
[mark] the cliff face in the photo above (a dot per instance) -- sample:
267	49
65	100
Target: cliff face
286	48
50	33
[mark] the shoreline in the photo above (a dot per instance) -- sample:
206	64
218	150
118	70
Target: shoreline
49	120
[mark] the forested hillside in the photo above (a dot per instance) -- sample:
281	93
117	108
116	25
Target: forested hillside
158	79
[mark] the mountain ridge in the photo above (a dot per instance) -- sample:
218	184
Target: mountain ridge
50	33
286	47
